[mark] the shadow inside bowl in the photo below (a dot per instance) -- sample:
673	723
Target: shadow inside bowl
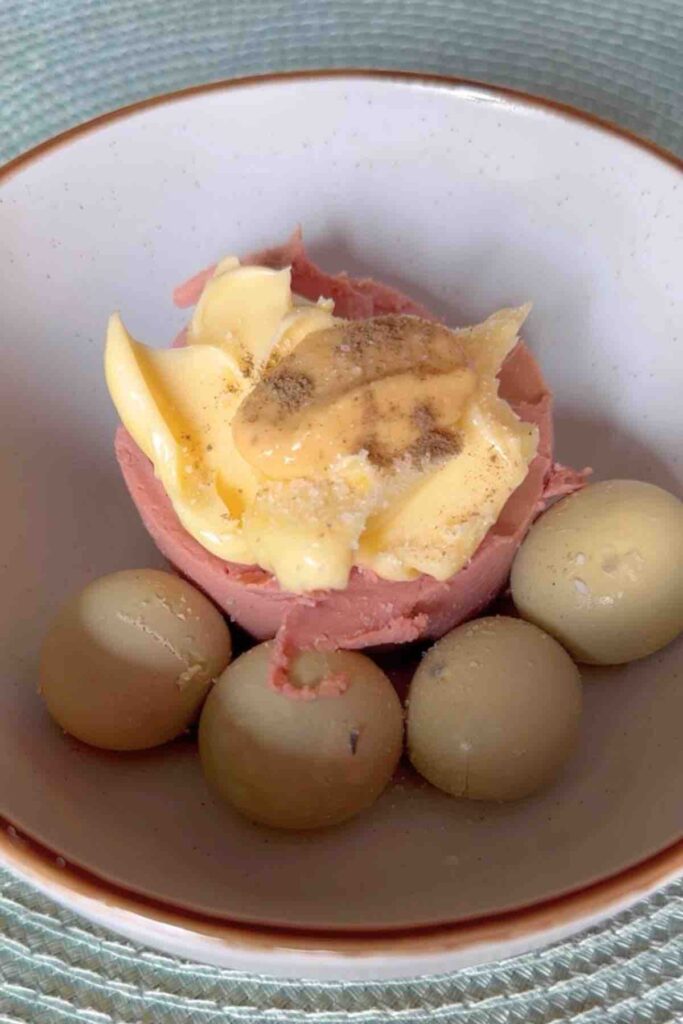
612	451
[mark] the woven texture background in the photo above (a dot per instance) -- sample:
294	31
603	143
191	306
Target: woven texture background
63	61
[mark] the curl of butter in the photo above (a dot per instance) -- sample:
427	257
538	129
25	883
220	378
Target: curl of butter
177	404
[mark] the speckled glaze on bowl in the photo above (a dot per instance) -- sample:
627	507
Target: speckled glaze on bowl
468	198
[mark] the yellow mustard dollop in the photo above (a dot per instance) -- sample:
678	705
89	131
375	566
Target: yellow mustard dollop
306	444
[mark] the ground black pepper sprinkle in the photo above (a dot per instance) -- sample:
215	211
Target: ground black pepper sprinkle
247	366
437	443
292	390
377	454
423	417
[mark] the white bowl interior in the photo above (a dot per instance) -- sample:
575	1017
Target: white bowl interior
469	202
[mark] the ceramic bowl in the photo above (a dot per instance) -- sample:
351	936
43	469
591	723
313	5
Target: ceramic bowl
469	199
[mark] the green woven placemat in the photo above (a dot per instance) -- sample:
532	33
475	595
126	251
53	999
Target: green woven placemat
63	61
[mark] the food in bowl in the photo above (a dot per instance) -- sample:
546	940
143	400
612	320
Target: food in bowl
129	660
337	471
380	575
603	572
493	710
316	757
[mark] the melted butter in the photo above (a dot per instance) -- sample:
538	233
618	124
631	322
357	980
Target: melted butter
304	444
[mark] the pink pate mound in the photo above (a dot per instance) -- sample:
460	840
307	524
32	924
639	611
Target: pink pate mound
370	611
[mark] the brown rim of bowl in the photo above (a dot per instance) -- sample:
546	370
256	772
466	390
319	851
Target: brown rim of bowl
46	867
447	81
